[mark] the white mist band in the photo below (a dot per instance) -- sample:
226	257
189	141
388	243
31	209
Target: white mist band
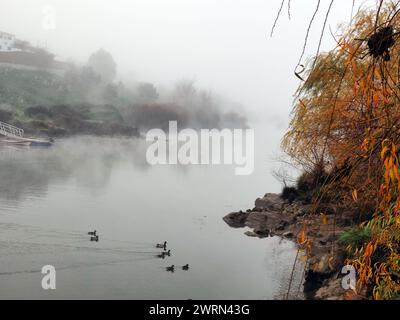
190	147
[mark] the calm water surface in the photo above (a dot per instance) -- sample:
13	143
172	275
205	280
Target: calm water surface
50	199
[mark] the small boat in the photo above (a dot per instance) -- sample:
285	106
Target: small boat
15	136
29	142
41	143
16	142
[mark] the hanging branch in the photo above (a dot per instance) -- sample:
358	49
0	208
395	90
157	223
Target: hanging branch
277	17
308	31
322	33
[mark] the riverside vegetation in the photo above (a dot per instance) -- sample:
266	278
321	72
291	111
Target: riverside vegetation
344	135
89	100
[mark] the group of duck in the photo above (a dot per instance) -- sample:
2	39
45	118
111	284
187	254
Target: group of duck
93	236
165	253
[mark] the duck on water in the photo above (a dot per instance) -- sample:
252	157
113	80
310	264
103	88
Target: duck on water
185	267
162	245
164	254
170	269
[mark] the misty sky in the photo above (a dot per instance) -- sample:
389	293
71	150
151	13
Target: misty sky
222	44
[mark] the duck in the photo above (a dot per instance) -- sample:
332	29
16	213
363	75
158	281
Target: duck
171	268
92	233
167	253
161	255
185	267
162	245
95	238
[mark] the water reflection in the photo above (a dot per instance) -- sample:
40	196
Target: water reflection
27	172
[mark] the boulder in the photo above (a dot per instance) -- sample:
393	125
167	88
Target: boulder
331	290
282	225
256	219
270	202
236	219
250	234
262	232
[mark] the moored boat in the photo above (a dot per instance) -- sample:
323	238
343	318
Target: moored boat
15	136
28	142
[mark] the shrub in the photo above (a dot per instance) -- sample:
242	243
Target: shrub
355	237
37	112
309	181
307	185
5	115
289	193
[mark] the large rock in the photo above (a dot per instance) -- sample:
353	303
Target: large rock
331	290
236	219
273	216
262	232
268	217
256	220
251	234
270	202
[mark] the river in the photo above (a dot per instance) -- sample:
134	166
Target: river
50	198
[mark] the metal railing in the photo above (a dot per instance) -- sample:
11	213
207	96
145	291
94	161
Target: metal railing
10	131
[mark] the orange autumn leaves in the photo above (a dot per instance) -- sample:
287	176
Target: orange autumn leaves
348	111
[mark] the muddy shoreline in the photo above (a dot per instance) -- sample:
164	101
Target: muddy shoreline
273	216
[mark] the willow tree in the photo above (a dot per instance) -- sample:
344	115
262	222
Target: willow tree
347	121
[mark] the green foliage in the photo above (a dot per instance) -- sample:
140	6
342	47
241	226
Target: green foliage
355	237
23	88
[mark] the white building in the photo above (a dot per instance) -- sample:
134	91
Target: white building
7	42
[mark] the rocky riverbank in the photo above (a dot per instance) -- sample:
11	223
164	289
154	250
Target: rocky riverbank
273	216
